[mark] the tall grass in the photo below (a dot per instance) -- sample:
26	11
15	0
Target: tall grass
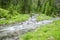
30	6
48	7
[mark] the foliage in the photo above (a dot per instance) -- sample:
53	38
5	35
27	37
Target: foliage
45	32
48	7
4	3
30	6
43	17
12	8
3	13
14	19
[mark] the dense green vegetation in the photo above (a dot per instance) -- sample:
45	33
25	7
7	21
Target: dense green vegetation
45	32
12	11
14	19
8	17
42	17
12	8
28	6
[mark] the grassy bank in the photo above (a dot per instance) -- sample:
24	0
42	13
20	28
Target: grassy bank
14	19
42	17
11	16
45	32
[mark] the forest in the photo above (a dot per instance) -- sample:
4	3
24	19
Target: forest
18	11
13	9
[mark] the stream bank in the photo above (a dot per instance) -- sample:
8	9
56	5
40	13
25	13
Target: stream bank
12	32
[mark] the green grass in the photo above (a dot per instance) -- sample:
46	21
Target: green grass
45	32
15	18
11	16
43	17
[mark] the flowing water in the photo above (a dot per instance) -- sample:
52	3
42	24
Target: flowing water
12	32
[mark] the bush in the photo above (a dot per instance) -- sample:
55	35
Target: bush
3	13
42	17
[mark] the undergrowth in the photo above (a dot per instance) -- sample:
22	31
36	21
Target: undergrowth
42	17
8	17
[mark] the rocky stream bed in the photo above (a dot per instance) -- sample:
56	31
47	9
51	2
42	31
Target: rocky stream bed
12	32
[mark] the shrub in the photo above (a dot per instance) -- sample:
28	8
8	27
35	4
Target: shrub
43	17
3	13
